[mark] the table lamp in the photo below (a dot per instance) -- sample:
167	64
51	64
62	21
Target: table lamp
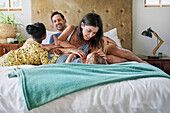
148	33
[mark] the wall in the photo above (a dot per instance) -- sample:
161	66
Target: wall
114	14
158	19
143	17
23	17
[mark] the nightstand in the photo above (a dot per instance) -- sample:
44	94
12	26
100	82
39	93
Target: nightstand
162	63
5	48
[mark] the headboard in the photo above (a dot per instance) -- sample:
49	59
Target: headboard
114	14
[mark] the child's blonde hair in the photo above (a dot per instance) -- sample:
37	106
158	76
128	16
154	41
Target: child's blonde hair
95	58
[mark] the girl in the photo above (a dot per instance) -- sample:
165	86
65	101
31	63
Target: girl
31	52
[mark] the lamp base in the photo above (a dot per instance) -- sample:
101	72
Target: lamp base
153	57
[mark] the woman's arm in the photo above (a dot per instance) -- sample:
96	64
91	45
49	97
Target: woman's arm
62	43
66	33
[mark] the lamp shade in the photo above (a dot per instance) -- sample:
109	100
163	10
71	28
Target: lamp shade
147	33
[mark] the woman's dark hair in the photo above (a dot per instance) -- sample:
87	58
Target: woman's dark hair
92	19
36	30
56	13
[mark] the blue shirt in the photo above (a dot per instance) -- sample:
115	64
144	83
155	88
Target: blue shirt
51	38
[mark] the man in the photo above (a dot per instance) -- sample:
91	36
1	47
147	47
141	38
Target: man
59	22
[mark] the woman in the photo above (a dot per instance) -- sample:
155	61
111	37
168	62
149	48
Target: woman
92	24
31	52
88	35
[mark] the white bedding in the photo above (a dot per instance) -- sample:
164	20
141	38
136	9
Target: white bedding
146	95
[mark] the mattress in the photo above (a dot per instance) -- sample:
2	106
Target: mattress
144	95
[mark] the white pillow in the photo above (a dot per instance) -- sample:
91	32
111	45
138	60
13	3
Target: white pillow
112	34
48	35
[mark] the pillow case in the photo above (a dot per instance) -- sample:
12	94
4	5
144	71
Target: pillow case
112	34
48	35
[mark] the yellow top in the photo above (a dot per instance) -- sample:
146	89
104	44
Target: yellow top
31	53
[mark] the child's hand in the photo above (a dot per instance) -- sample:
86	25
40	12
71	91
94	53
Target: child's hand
58	52
83	61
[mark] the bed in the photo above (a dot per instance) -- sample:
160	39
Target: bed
147	93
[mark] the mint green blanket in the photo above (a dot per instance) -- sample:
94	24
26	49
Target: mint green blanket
45	83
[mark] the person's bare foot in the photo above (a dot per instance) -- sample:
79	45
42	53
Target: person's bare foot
144	62
56	41
45	47
48	47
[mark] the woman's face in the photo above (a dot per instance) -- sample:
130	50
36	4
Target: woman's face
89	31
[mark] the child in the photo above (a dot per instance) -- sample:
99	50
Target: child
31	53
96	57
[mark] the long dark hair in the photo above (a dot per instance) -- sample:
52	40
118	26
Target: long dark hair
36	30
92	19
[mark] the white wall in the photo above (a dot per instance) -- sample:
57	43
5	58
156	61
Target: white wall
22	17
158	18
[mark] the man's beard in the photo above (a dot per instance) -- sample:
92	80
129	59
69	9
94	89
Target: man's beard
60	28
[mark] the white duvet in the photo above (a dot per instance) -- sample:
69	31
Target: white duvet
146	95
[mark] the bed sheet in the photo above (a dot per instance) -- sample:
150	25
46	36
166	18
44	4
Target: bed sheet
146	95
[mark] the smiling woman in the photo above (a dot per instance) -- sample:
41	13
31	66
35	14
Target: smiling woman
10	5
90	30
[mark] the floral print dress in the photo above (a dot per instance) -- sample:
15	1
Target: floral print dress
31	53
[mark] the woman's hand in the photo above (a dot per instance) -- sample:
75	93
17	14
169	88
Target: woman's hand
80	53
100	52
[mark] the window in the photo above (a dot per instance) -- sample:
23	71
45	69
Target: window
157	3
10	5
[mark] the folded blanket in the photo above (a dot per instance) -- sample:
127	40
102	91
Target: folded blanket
45	83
